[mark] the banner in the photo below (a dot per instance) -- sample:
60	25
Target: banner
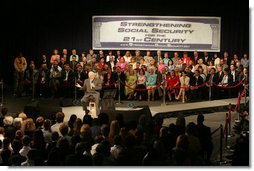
156	33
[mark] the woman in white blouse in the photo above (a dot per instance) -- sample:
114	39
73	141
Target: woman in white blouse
185	83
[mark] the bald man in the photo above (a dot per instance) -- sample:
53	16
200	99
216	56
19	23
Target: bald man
92	87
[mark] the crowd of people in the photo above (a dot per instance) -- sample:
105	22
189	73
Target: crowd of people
189	76
101	142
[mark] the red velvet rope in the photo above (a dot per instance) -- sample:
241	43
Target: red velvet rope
192	87
228	119
228	86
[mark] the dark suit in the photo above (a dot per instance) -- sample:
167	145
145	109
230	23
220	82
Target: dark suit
196	93
235	78
110	65
91	94
67	84
204	135
212	81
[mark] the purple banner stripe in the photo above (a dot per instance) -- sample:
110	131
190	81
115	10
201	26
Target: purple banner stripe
200	20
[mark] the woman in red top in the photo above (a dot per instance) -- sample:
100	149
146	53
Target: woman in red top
185	59
101	64
172	82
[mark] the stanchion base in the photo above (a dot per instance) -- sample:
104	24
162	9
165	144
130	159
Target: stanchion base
221	163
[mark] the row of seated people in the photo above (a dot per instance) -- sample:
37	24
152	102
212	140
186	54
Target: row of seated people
140	82
72	141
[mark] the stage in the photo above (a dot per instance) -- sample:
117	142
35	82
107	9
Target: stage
156	108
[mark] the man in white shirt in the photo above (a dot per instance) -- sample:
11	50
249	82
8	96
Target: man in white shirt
59	121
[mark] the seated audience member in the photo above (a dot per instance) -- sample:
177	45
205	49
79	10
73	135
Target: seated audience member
84	60
64	54
67	81
151	84
185	59
91	55
47	133
54	79
227	80
166	58
137	56
73	63
16	159
74	54
127	57
31	79
101	64
79	159
43	80
6	152
62	63
133	63
141	84
55	57
180	153
101	55
172	82
131	83
161	65
184	83
122	64
28	127
9	128
158	57
80	75
110	55
195	91
245	60
44	61
59	121
26	140
160	80
201	64
111	63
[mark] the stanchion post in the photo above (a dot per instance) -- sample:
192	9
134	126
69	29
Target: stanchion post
226	129
2	93
210	90
119	89
245	93
229	119
164	90
33	85
221	137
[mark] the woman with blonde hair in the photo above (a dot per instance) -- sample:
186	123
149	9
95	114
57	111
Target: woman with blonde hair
28	127
113	131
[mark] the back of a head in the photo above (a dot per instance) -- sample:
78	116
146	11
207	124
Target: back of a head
39	122
72	120
26	140
200	119
182	142
191	129
16	145
105	130
8	120
47	124
103	118
85	129
87	119
64	129
2	130
80	148
180	121
59	117
22	115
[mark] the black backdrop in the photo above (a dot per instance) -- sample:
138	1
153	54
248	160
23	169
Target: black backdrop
36	27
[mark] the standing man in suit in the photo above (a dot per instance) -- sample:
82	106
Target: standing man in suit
92	87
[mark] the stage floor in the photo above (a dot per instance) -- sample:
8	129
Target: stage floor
157	107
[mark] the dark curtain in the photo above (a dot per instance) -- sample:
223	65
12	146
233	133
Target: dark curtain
38	27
